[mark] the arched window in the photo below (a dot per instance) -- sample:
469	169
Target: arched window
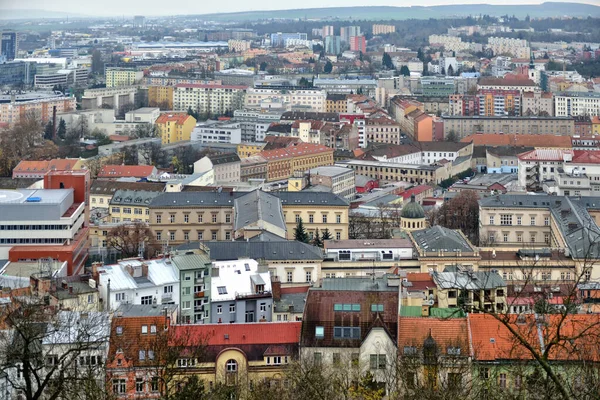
231	366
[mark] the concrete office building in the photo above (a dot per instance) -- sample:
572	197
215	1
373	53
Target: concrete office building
254	124
278	39
577	104
9	45
333	45
217	132
209	99
112	97
465	125
116	77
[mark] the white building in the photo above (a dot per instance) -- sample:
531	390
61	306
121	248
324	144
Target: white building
313	99
577	104
212	99
240	293
514	47
136	281
368	250
217	132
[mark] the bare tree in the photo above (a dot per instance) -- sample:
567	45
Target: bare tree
129	239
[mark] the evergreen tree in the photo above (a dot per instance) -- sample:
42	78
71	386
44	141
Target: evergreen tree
326	235
450	71
49	131
62	129
404	71
387	61
328	67
193	113
420	54
317	239
300	233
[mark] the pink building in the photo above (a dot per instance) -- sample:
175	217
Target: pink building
358	43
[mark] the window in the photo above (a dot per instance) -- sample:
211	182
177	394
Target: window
231	366
153	329
505	219
232	308
119	330
377	361
186	218
297	218
159	236
519	220
119	296
484	373
346	332
453	351
317	358
502	381
200	217
519	237
213	235
126	210
172	235
547	237
227	235
518	381
308	276
320	332
338	219
154	384
228	218
410	350
533	221
172	218
532	238
186	235
139	385
324	218
311	218
346	307
491	220
214	218
290	276
263	306
144	329
546	221
119	386
338	235
219	309
51	360
147	300
505	237
222	289
142	355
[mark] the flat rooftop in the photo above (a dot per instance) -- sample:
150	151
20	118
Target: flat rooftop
34	196
144	310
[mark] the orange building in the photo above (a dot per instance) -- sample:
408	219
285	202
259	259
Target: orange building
423	131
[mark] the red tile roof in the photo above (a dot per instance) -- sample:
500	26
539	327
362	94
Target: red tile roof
119	171
586	156
494	139
415	190
270	333
178	118
450	332
295	150
492	340
57	164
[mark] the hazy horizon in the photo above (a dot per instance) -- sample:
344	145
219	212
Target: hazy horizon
113	8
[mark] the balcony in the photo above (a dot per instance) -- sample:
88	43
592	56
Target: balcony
199	294
199	308
258	295
200	280
166	297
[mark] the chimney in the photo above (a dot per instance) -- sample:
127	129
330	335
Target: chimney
70	289
145	270
276	288
129	270
64	284
108	296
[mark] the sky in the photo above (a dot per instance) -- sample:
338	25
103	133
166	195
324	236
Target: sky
163	7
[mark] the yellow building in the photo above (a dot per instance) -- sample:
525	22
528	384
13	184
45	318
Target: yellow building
161	96
245	355
130	206
595	125
336	103
174	128
322	211
122	77
283	163
245	150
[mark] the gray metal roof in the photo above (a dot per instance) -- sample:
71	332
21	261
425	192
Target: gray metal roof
281	250
361	284
296	300
133	198
468	280
308	198
194	199
186	262
439	238
144	310
225	158
258	206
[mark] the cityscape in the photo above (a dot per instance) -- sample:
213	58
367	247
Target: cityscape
339	203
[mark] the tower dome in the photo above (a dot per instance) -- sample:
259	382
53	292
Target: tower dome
412	216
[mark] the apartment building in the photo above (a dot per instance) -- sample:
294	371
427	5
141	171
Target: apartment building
449	43
396	172
113	97
217	132
226	166
340	180
176	218
239	46
537	103
358	43
577	104
283	163
161	96
461	104
116	77
495	103
336	103
130	206
209	99
12	112
346	32
311	99
382	130
138	281
254	124
253	167
173	128
518	48
469	125
380	29
559	222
